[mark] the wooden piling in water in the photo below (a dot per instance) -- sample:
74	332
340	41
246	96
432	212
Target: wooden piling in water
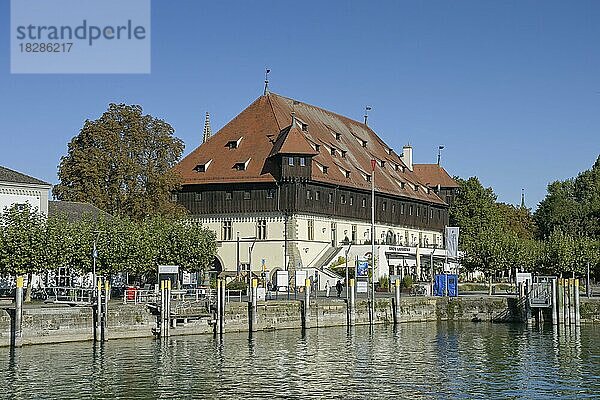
396	302
16	339
554	295
218	308
254	325
352	304
306	306
576	302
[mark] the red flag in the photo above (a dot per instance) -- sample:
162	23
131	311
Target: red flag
373	163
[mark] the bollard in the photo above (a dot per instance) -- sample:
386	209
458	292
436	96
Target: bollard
17	332
104	334
352	305
223	298
527	304
306	308
576	303
554	303
168	314
254	305
218	309
98	326
397	302
560	303
567	302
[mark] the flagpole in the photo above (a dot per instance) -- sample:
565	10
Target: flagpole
372	310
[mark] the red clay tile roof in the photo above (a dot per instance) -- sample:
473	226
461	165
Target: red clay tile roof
433	175
292	141
268	117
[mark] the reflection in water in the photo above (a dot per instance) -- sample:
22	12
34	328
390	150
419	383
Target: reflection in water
417	361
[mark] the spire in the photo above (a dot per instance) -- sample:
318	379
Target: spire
207	130
266	92
522	198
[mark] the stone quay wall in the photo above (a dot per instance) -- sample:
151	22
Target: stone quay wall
57	324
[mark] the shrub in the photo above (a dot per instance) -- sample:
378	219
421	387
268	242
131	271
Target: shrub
407	281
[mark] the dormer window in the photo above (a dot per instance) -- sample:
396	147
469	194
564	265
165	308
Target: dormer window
234	144
241	166
368	178
304	127
364	143
382	162
344	153
347	174
202	167
416	188
325	168
333	151
317	147
390	151
338	136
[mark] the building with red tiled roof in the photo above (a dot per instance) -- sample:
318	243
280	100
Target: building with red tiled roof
437	179
293	182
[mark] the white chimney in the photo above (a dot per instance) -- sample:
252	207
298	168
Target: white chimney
407	156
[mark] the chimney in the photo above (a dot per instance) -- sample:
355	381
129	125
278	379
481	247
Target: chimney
407	156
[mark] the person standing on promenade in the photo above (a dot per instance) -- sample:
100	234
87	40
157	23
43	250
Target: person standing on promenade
338	287
327	288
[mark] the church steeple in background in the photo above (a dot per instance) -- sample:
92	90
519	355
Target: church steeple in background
207	129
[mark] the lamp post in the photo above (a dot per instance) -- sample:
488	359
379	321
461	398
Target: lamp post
250	248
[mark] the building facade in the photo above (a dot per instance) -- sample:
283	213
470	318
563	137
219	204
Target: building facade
287	185
18	188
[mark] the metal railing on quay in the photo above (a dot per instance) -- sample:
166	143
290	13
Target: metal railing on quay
68	295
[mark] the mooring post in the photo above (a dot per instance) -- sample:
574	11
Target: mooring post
218	309
105	311
168	316
397	302
527	303
17	332
99	308
576	308
352	305
554	302
560	303
223	301
306	308
254	305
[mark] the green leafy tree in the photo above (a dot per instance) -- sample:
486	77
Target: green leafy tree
23	242
122	163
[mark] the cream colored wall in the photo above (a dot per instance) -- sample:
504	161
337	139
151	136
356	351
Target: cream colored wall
35	195
272	249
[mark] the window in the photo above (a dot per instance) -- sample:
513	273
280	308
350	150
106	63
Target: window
333	151
311	229
344	153
351	200
200	168
302	162
228	195
317	147
325	169
343	199
246	195
384	206
338	136
353	234
270	193
240	166
431	213
402	208
410	210
261	229
368	178
305	127
308	194
418	211
227	230
290	160
393	208
197	196
439	214
317	195
174	197
347	174
364	202
364	143
331	197
232	144
382	162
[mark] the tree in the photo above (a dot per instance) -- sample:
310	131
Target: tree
122	163
572	206
22	236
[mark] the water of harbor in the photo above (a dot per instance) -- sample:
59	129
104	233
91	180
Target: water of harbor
414	361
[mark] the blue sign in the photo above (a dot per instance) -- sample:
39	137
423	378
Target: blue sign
362	268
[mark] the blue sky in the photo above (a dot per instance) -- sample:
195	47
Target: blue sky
511	88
